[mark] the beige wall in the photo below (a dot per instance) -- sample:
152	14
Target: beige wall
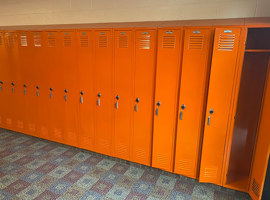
40	12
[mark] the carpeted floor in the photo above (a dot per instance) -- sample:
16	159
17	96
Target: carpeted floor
32	168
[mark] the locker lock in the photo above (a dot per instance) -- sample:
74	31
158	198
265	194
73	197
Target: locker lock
211	111
65	91
99	95
1	82
117	97
158	103
24	85
81	92
137	100
37	87
12	84
51	89
183	106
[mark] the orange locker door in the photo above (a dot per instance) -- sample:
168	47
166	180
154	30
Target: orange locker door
124	76
86	87
54	89
104	85
166	94
69	85
195	68
262	150
220	96
3	79
12	85
143	101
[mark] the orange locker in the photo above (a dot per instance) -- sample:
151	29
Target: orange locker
194	79
262	151
223	80
104	90
68	82
123	93
12	77
3	78
143	101
87	90
54	89
166	97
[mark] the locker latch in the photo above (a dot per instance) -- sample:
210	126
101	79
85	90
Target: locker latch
24	89
81	97
65	96
116	104
136	105
181	112
51	92
12	88
37	92
211	111
98	101
1	86
158	104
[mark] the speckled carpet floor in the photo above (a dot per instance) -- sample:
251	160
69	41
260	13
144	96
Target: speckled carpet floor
33	168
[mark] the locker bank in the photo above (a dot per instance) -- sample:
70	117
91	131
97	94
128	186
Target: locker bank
186	98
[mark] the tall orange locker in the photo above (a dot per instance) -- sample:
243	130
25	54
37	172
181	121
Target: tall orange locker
3	79
194	76
143	100
123	93
166	97
54	89
223	81
12	77
86	94
104	90
68	82
262	150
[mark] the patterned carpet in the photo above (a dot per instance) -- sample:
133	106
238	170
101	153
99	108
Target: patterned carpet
33	168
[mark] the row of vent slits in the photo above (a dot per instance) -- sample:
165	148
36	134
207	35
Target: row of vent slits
196	42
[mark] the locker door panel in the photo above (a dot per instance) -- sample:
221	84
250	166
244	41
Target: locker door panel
195	67
104	85
86	86
166	93
11	45
222	80
262	150
143	101
124	75
69	86
54	90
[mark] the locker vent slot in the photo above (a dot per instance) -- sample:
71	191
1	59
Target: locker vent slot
140	153
37	40
185	165
51	41
256	188
121	149
23	40
84	41
10	42
123	41
102	41
210	173
162	161
1	40
144	42
196	42
67	41
168	41
226	42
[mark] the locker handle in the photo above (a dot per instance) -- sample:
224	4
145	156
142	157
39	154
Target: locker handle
98	102
136	107
158	104
24	91
156	111
208	121
50	95
81	99
37	93
181	115
65	97
116	105
12	89
1	87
